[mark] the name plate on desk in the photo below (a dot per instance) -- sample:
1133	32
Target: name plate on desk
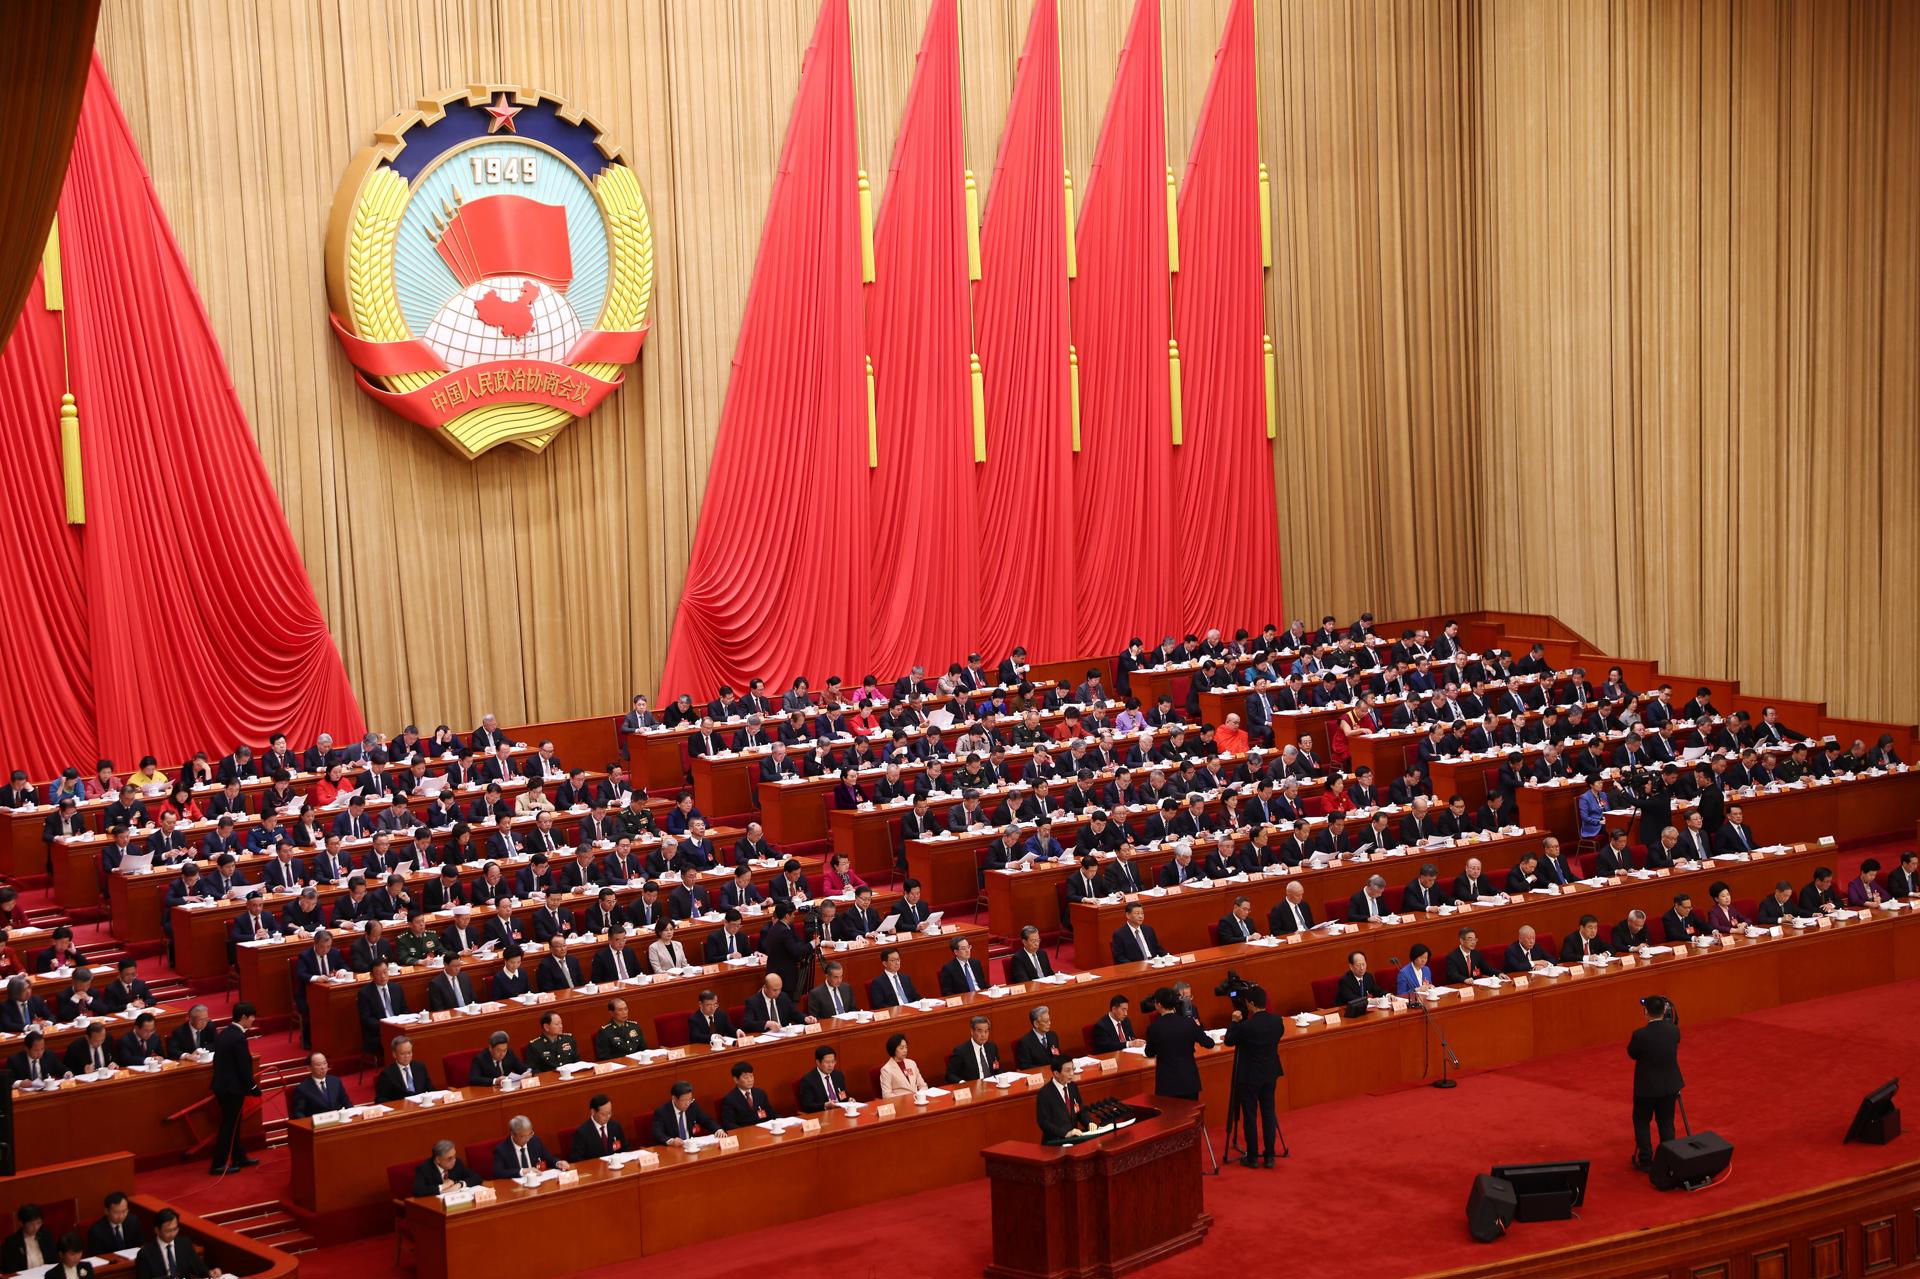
570	1177
809	1125
727	1142
962	1095
883	1111
1629	959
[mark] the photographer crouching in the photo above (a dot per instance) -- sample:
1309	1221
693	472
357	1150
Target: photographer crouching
1655	1049
1254	1035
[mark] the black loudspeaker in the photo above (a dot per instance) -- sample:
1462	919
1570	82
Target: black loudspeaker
1687	1162
1490	1208
1877	1122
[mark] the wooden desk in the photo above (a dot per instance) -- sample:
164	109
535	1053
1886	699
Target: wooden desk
69	1193
137	903
266	975
127	1112
200	933
1855	810
1180	919
694	1198
921	959
1032	896
166	1018
77	872
340	1170
1107	1205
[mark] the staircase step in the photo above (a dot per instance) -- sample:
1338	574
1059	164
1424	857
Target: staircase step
269	1209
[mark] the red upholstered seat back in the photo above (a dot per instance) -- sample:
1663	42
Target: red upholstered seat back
456	1066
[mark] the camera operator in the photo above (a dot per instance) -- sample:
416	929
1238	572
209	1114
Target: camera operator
785	948
1655	1049
1254	1035
1171	1038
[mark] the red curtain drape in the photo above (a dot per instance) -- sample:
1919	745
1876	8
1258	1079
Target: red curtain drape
180	617
46	671
925	574
1223	472
1026	520
778	583
1123	488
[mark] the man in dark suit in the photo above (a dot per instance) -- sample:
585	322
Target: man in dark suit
1040	1046
681	1117
232	1085
523	1151
1254	1034
1134	941
771	1007
402	1077
1680	923
140	1043
601	1135
709	1019
1465	962
976	1057
170	1254
1583	941
559	970
1356	983
1655	1049
315	962
784	948
117	1228
1058	1107
1114	1031
962	974
1030	961
745	1103
442	1171
824	1084
318	1093
892	987
1291	914
1526	953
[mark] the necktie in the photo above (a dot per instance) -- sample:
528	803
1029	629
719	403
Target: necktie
325	967
620	964
603	1137
1140	941
386	1002
1373	906
406	1078
899	995
525	1163
118	1236
833	993
967	968
167	1255
566	971
683	1122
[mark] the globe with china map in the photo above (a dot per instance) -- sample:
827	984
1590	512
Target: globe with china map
504	317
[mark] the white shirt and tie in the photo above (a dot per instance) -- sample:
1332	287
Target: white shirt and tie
1299	916
899	992
1140	940
1373	905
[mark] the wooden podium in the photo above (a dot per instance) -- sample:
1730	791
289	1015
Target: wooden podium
1106	1206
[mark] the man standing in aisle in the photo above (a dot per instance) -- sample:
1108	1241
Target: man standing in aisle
232	1085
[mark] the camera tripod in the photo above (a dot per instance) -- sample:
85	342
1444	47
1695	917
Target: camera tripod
1234	1126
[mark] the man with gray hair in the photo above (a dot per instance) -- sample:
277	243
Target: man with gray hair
523	1151
1370	901
1631	932
23	1009
319	756
1040	1046
976	1057
442	1171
